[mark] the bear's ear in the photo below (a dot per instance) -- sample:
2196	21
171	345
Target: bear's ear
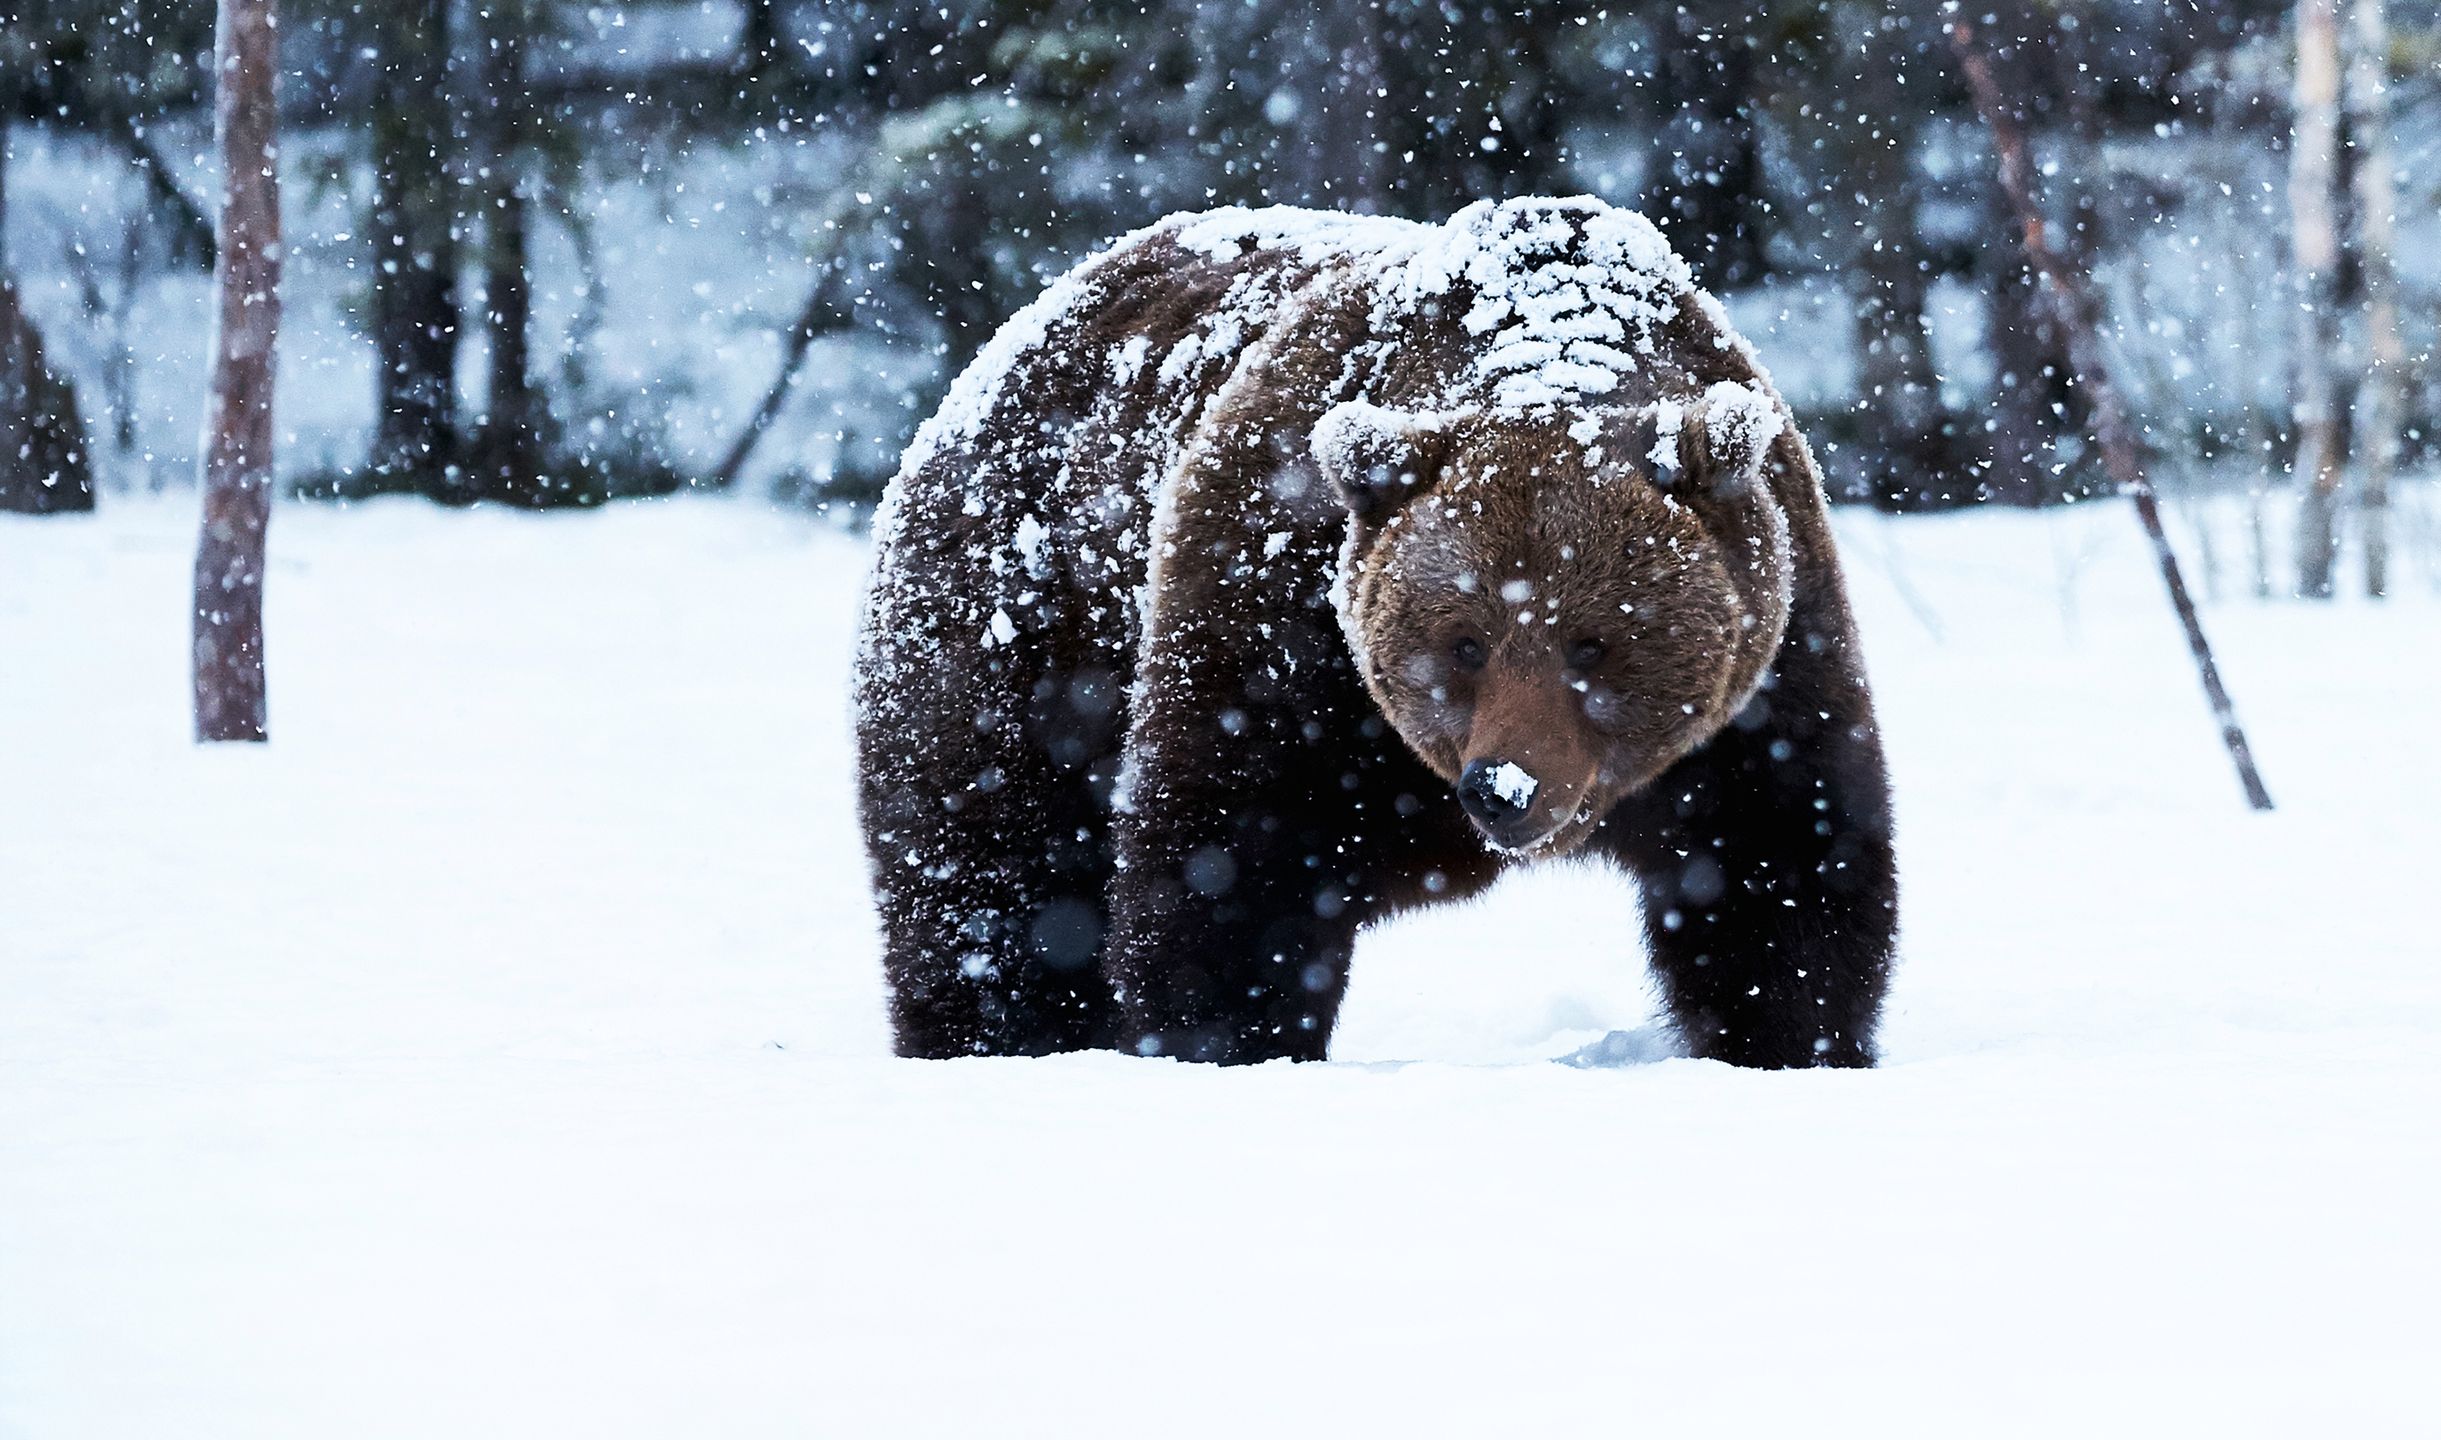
1724	437
1378	457
1647	441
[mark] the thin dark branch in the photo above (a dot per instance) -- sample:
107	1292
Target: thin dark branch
2080	312
819	317
190	233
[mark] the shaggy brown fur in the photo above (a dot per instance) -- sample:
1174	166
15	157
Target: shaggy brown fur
1234	591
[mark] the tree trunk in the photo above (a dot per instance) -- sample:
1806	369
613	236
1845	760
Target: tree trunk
44	467
2377	429
2313	190
120	392
759	45
1895	368
2032	403
509	450
1338	165
1907	450
2258	539
230	701
1707	181
414	224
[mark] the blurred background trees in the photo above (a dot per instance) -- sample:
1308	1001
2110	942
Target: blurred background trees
548	252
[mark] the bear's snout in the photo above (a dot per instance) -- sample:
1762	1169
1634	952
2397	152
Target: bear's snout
1527	764
1498	795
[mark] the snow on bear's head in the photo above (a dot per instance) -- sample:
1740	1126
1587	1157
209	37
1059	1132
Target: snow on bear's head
1563	299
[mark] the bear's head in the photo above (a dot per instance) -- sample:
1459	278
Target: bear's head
1550	613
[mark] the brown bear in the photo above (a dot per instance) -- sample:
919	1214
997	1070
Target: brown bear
1276	571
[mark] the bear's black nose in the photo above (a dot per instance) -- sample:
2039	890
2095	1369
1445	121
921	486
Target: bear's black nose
1498	795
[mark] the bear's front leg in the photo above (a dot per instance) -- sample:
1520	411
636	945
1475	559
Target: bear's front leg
1231	934
1243	870
1770	888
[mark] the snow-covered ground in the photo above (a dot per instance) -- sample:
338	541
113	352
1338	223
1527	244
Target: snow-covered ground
500	1051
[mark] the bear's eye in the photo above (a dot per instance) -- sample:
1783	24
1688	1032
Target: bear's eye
1466	652
1586	654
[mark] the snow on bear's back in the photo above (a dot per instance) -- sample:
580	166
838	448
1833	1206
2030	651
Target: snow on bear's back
1568	297
1557	307
1315	237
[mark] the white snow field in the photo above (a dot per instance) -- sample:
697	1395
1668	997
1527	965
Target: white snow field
500	1051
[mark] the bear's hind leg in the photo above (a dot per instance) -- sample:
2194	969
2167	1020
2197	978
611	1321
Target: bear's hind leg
1003	965
992	865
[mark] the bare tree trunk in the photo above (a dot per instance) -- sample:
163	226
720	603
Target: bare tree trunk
510	445
759	44
509	449
2032	402
122	385
1706	184
2253	340
1895	366
2377	430
230	701
2258	538
1910	453
2264	384
1341	167
2080	316
44	466
2313	193
414	225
